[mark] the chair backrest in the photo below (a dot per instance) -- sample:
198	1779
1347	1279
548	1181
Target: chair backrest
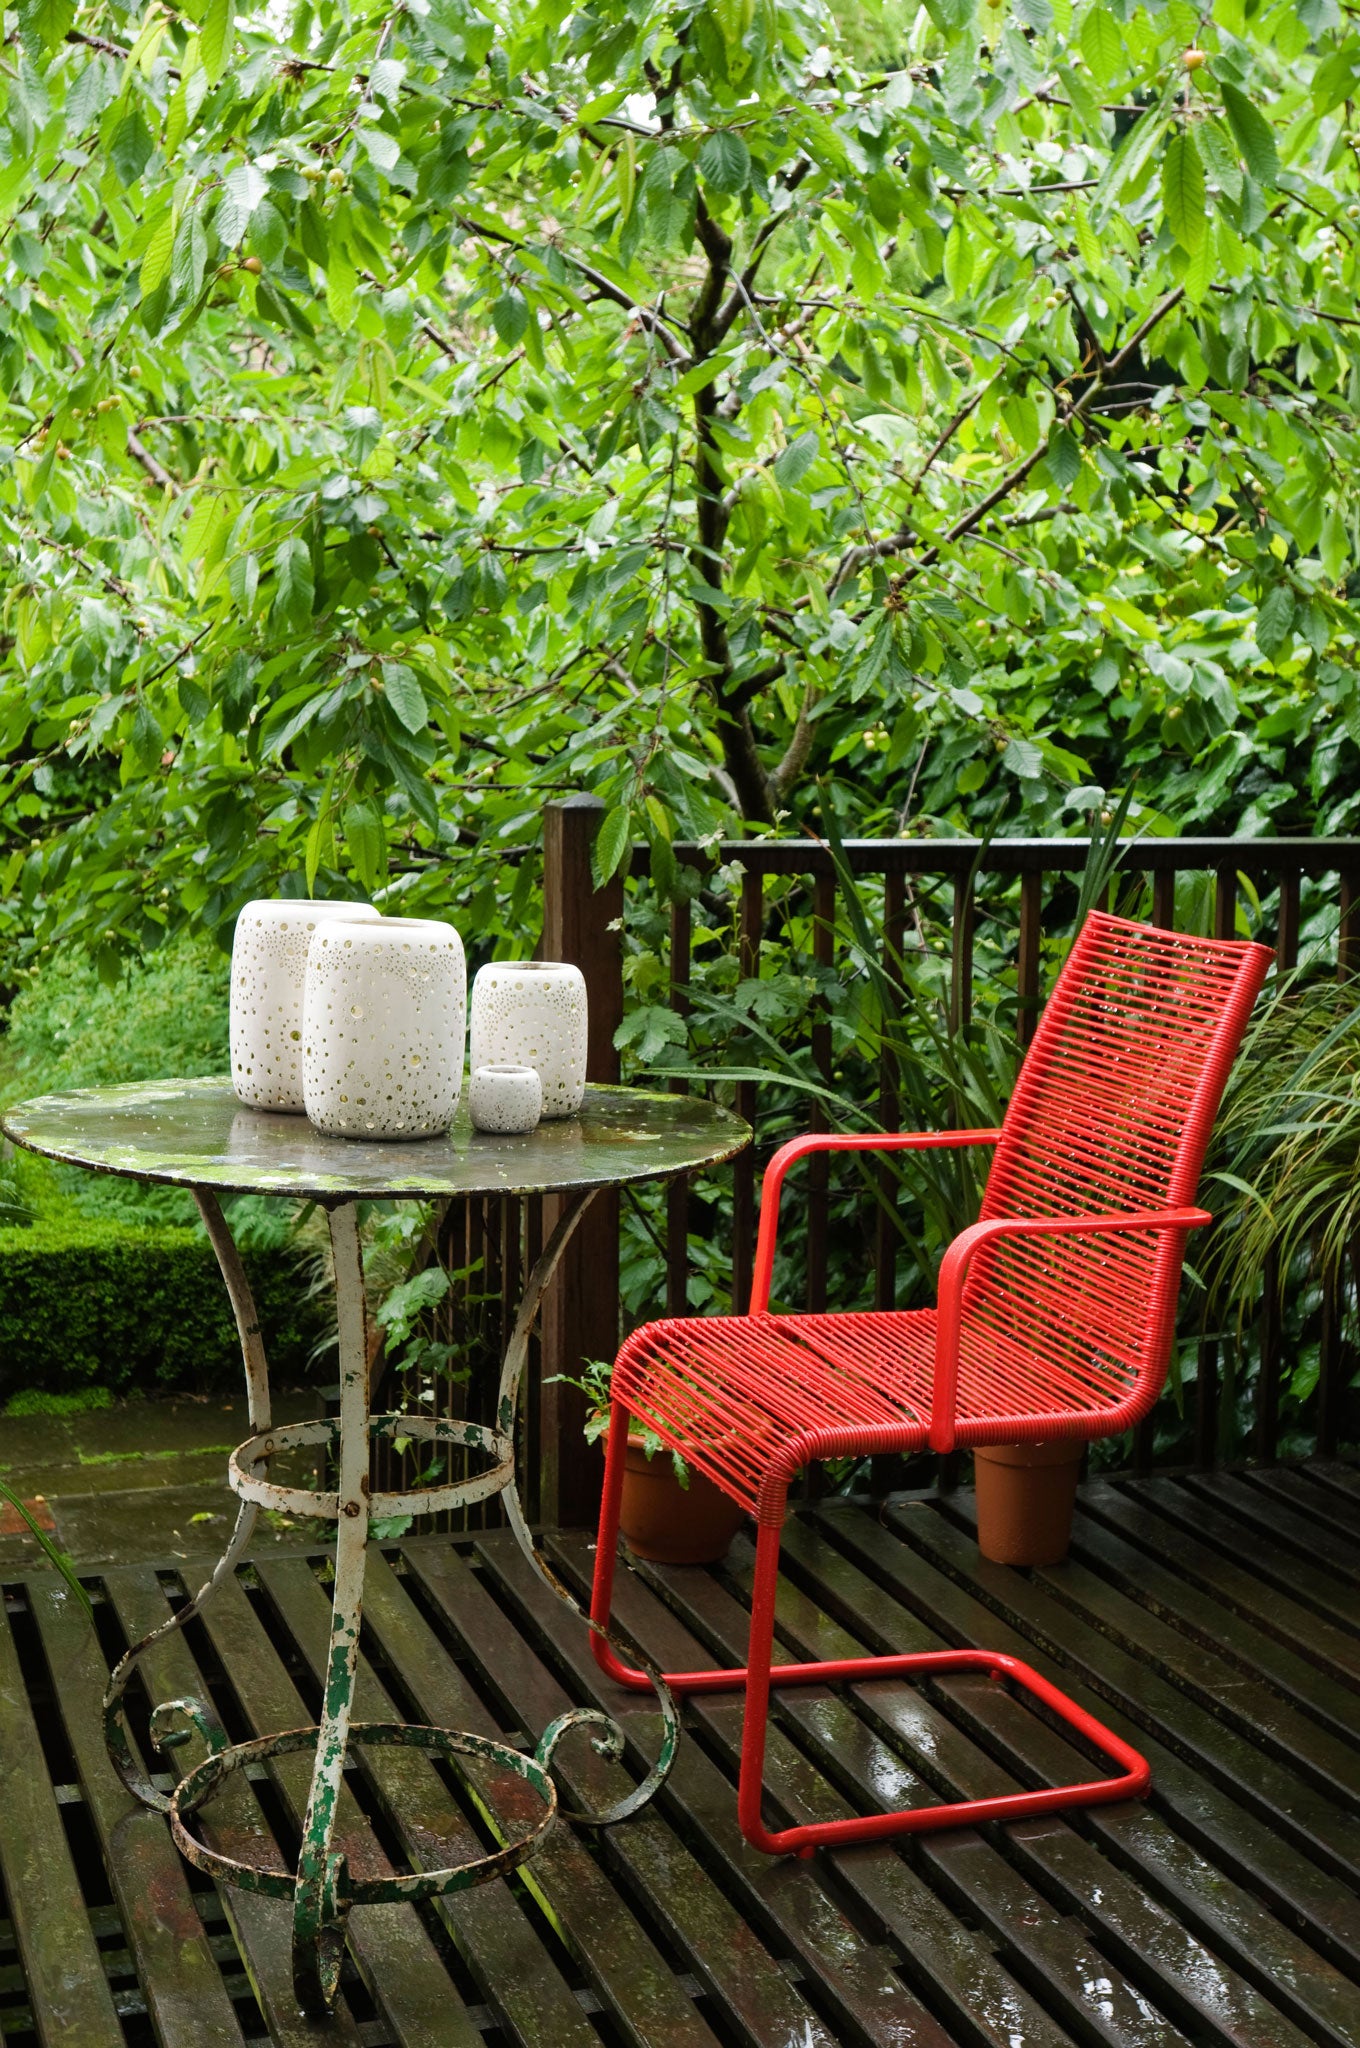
1112	1111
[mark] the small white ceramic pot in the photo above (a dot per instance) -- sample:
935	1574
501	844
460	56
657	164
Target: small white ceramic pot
532	1013
505	1099
383	1027
268	969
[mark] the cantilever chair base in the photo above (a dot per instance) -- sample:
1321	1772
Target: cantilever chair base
758	1677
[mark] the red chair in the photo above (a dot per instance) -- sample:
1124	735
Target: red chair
1054	1319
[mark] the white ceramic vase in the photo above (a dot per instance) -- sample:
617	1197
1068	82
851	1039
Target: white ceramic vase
532	1013
383	1027
505	1099
268	969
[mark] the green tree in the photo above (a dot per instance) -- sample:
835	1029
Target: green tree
410	413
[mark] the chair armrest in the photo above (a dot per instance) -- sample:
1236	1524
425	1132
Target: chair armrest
954	1268
833	1141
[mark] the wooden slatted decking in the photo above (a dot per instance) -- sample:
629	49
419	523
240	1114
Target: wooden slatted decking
1216	1620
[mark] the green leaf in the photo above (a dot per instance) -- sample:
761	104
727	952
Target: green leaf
147	740
611	843
208	520
1183	191
363	431
340	284
1335	78
725	161
649	1029
735	18
1274	620
958	257
794	462
243	578
243	188
216	35
43	24
1023	758
156	261
1200	272
1101	44
131	148
409	1300
510	317
364	842
189	257
1088	247
1220	158
267	236
1255	136
403	692
293	589
1064	458
1126	167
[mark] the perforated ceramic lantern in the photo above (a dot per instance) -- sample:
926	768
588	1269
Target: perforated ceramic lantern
532	1013
508	1100
383	1026
268	969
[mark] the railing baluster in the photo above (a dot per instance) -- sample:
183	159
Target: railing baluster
677	1194
1332	1374
1206	1406
1269	1381
1164	917
1207	1390
1225	902
823	953
1348	924
1287	935
1267	1416
886	1472
1334	1353
961	960
536	1423
744	1172
1027	964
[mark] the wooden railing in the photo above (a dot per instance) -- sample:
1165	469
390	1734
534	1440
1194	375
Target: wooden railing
1280	880
1016	887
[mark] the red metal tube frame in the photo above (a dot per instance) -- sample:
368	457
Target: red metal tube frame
949	1306
834	1141
759	1674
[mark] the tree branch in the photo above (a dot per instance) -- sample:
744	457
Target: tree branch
769	227
157	472
855	559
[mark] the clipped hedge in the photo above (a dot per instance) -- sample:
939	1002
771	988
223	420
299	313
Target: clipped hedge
89	1301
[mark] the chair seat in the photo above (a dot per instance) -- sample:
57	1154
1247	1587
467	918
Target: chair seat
731	1392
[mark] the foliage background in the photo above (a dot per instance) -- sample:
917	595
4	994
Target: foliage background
887	417
409	413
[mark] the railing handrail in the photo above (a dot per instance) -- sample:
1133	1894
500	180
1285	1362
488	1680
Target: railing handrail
806	856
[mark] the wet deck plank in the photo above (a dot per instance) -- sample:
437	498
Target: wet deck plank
1213	1621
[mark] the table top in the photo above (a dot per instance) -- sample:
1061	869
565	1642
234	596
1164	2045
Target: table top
196	1134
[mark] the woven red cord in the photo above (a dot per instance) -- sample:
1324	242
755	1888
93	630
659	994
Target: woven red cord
1042	1331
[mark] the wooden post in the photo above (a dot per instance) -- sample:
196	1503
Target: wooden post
581	1310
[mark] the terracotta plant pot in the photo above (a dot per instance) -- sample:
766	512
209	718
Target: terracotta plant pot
1025	1497
669	1523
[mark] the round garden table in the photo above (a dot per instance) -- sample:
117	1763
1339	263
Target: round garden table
195	1134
